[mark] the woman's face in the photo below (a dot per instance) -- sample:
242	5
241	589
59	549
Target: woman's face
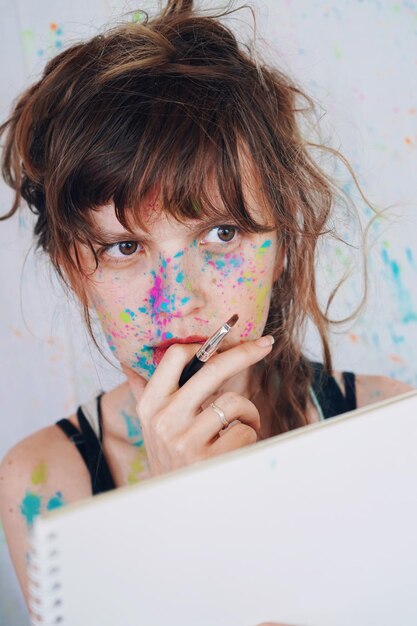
178	282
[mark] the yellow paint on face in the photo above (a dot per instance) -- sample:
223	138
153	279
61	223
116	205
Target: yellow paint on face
125	317
261	294
39	474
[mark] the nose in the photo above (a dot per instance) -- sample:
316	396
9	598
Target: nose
175	290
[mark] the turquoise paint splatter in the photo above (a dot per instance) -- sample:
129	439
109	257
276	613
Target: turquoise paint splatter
408	313
142	309
30	507
396	339
134	430
131	313
184	300
410	258
266	244
142	364
219	264
176	256
247	279
180	277
234	262
55	502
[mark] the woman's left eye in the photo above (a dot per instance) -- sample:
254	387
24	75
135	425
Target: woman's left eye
227	234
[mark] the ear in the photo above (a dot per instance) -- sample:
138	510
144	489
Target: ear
279	262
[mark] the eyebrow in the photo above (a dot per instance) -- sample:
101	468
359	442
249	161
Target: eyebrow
116	235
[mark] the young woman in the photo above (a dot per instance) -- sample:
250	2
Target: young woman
173	189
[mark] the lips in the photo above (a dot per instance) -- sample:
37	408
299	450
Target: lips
162	347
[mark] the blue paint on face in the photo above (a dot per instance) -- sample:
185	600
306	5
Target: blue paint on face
247	279
233	262
266	244
142	363
180	277
176	256
131	313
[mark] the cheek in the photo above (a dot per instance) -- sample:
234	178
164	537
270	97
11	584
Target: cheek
118	315
247	266
244	279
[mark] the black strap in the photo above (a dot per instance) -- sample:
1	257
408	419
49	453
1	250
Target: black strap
90	448
328	393
75	436
350	387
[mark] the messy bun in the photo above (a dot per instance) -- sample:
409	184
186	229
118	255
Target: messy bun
177	6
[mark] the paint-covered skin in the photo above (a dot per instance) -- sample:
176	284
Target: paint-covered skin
34	502
138	466
184	280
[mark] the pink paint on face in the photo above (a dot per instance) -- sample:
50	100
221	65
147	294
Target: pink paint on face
157	293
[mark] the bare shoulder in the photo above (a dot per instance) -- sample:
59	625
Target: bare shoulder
42	472
371	389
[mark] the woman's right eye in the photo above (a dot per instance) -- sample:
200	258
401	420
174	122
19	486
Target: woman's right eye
120	250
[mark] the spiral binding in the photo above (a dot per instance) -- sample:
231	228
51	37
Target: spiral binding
45	600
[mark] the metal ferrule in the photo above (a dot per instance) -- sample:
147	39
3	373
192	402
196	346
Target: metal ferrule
212	343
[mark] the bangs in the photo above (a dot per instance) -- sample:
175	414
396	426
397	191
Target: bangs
179	137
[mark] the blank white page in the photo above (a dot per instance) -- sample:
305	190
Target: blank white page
317	527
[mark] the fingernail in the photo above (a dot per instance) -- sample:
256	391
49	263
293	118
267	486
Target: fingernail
264	342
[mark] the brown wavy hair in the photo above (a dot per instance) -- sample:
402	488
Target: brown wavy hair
168	101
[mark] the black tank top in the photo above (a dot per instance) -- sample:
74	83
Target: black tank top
330	398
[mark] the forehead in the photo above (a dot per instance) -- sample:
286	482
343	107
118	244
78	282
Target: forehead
152	211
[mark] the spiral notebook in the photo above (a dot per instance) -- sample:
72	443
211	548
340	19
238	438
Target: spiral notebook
316	527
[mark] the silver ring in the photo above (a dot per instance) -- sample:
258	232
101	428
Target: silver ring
220	414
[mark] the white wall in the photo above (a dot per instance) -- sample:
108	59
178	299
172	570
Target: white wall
358	58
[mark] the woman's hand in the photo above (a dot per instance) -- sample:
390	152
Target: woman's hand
176	431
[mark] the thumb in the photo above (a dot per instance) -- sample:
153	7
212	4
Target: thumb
136	382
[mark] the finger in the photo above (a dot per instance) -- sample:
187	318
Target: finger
237	436
136	382
215	372
164	381
208	423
